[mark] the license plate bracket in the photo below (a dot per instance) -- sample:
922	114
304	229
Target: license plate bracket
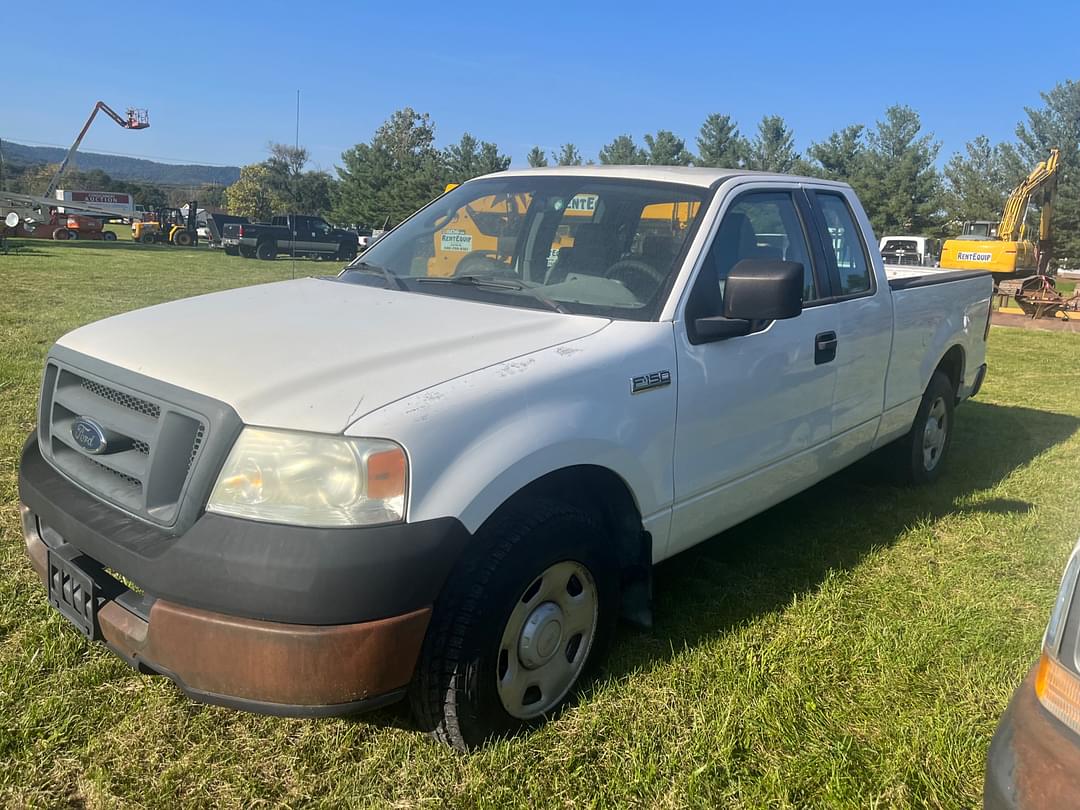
73	592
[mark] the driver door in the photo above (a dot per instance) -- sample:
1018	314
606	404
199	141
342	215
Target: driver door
754	412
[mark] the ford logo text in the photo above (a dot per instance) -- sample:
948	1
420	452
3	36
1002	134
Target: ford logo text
89	435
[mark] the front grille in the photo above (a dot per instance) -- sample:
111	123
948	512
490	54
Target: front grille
152	445
120	398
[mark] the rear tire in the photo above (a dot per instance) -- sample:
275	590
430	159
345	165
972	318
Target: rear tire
183	239
525	614
920	455
346	253
61	234
246	252
266	251
232	250
108	236
147	239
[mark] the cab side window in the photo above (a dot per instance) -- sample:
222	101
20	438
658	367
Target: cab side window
844	236
759	225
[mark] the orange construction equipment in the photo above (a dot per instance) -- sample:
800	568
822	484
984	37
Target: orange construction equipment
136	119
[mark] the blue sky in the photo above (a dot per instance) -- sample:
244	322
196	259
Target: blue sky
220	84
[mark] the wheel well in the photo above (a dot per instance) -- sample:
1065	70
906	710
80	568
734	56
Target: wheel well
952	366
603	493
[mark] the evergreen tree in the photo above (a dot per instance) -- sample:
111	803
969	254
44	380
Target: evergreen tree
720	145
901	189
623	152
537	158
568	156
471	158
386	180
978	182
667	149
773	148
841	156
1057	124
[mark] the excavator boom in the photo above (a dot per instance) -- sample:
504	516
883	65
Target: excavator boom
1011	227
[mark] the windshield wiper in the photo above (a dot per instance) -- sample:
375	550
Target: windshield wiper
506	284
375	270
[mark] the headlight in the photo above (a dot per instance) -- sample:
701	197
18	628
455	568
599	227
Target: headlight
310	479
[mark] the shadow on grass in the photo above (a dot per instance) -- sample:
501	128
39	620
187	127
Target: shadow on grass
759	566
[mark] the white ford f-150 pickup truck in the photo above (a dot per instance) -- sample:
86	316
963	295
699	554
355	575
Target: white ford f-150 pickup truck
446	471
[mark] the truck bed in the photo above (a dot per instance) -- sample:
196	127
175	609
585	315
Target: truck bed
933	309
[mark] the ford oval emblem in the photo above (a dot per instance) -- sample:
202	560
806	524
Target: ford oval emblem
89	435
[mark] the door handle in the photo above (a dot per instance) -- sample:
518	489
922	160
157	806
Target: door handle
824	348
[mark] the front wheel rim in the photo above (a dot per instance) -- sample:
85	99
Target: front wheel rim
934	434
547	639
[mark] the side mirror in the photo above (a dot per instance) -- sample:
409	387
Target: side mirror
755	290
764	290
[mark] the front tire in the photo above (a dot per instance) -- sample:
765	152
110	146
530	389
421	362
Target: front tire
523	617
183	239
108	236
921	453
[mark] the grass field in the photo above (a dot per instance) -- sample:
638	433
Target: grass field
853	647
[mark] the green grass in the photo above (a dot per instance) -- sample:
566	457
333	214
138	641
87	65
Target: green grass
853	647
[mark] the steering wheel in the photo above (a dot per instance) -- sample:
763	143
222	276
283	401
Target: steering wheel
632	273
479	262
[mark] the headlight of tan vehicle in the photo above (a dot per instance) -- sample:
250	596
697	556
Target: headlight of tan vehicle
1058	687
310	479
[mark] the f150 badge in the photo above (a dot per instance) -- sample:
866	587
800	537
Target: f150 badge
646	382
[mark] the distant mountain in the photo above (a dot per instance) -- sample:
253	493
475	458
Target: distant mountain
123	168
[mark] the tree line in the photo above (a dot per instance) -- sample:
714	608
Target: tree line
34	180
892	165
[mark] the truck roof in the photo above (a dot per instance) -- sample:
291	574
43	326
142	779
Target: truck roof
687	175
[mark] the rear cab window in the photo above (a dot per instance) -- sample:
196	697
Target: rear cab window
850	260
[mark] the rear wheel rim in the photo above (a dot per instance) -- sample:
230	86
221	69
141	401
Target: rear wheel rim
935	433
547	639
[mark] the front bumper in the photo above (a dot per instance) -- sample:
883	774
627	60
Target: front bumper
275	619
1034	759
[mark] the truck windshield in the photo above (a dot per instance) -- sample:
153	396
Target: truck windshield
894	245
578	244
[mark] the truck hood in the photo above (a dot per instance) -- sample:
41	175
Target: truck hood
316	355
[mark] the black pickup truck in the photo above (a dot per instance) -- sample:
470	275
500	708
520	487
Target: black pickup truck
290	234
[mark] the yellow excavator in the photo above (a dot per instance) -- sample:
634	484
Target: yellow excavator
1007	252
